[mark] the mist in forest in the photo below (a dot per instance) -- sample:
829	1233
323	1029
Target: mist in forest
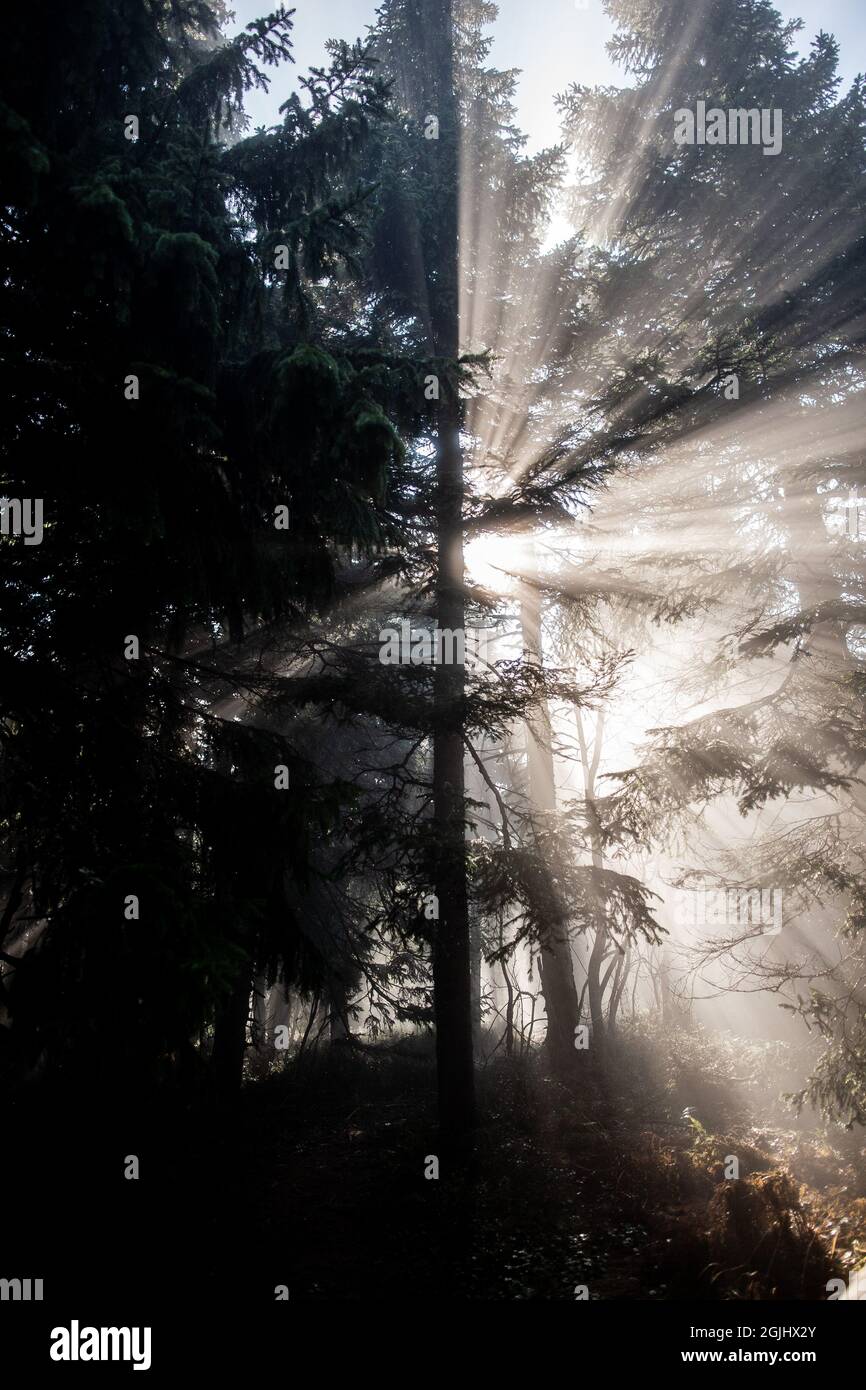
434	659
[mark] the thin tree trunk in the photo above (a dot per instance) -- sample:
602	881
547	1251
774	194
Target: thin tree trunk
594	984
619	982
509	1011
338	1014
555	965
230	1035
475	981
595	989
314	1009
260	1008
451	955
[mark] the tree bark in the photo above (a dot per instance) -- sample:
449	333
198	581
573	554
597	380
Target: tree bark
451	948
475	953
555	965
230	1035
594	984
339	1028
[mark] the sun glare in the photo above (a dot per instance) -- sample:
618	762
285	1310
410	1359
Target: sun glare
494	562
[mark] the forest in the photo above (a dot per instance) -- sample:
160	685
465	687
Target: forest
432	664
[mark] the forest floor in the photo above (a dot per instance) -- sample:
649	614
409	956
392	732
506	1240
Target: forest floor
597	1186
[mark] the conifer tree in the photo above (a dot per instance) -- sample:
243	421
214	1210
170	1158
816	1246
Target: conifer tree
174	396
735	407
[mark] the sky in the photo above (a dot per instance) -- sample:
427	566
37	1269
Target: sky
553	42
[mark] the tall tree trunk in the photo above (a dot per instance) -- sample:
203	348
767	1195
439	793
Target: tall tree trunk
594	985
230	1035
233	1012
556	970
338	1017
594	988
475	953
451	953
260	1011
620	980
